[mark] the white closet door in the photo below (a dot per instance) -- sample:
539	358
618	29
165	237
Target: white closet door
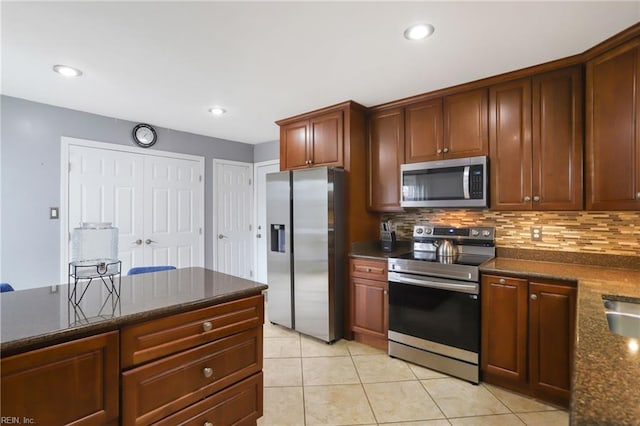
173	207
107	186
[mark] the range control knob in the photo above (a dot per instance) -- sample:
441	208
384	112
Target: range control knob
475	233
419	231
427	231
486	233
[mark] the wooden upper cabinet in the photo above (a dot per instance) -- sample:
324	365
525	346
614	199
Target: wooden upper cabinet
466	124
316	141
293	145
557	140
385	154
613	129
504	328
327	144
423	127
510	145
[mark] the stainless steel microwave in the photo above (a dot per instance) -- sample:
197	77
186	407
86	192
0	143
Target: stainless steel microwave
461	182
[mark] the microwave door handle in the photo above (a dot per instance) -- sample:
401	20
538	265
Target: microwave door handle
465	182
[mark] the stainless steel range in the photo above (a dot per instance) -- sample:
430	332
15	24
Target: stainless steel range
434	299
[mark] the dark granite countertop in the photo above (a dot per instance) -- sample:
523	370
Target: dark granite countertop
606	385
372	250
39	317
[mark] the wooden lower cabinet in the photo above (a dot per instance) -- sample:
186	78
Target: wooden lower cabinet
369	288
71	383
528	334
199	357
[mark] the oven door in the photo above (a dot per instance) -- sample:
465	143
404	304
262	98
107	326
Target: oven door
436	310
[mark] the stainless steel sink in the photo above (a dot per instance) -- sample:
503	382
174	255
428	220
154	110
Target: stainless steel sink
623	315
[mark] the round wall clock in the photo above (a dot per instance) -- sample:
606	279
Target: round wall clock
144	135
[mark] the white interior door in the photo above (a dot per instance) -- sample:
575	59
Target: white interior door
234	194
107	186
173	202
260	178
156	201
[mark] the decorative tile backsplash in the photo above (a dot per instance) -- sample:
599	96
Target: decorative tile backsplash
587	232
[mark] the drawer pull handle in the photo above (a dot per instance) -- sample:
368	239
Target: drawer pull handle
207	326
208	424
207	372
502	281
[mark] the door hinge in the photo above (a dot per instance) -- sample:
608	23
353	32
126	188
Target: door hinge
250	274
250	228
200	178
249	182
69	171
200	231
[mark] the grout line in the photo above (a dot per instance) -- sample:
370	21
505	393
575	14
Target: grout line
363	388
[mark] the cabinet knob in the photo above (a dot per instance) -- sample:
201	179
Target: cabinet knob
439	151
501	281
527	198
208	424
536	198
534	297
207	372
445	150
207	326
638	196
368	269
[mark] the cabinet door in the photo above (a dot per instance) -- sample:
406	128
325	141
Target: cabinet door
423	128
466	124
74	382
504	328
327	146
510	145
557	140
293	145
385	154
552	310
370	307
613	129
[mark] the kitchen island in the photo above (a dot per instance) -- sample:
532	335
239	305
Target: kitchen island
175	345
606	365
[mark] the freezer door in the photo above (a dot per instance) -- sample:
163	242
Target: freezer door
279	278
314	253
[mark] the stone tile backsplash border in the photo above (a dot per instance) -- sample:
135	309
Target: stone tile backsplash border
616	233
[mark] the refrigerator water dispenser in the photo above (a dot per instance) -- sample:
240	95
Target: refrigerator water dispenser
277	238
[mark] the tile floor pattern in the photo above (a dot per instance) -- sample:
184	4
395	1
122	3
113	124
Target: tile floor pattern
308	382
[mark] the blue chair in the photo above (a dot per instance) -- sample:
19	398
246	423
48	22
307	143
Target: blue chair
146	269
4	287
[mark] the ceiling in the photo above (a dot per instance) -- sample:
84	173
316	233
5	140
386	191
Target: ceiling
166	63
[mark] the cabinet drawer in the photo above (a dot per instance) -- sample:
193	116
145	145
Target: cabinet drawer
240	404
153	391
371	269
70	383
153	339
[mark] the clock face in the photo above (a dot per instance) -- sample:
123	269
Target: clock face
144	135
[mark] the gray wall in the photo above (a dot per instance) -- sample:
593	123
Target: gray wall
30	179
266	151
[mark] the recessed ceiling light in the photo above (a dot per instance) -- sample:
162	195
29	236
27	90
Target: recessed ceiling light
418	31
67	71
217	111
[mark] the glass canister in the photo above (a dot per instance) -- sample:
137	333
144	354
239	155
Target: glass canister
94	249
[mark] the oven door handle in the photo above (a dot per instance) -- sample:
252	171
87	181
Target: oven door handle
463	288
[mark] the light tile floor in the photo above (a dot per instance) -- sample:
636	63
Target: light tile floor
308	382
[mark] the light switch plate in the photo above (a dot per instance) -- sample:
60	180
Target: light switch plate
53	213
536	233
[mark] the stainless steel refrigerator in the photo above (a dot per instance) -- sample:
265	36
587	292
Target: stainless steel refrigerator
305	256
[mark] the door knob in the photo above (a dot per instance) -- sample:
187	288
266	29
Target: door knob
445	150
148	241
439	151
138	242
220	236
534	297
259	236
527	198
638	195
536	198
